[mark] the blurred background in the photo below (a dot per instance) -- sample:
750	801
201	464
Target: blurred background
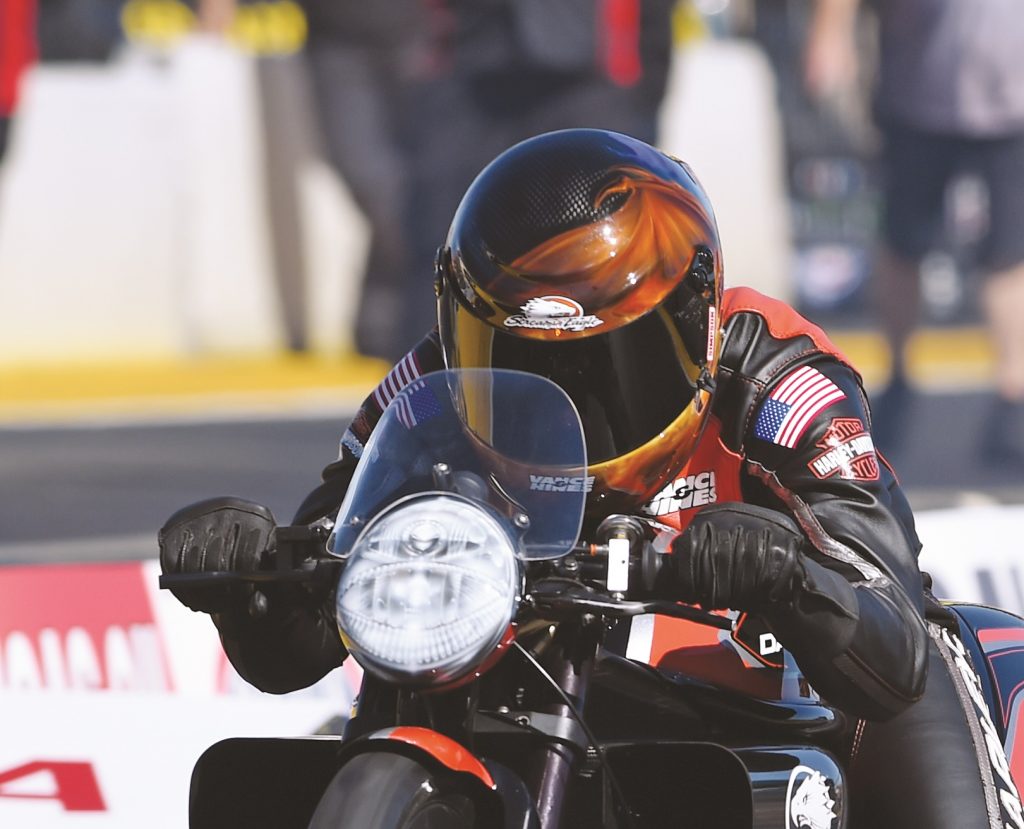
217	229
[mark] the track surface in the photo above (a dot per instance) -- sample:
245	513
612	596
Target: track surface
95	492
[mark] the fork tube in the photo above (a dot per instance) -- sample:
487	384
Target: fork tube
570	664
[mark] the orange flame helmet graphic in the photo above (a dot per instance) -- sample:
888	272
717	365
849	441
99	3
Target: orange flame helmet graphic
593	259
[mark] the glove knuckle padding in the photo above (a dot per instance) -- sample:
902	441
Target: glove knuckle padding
216	534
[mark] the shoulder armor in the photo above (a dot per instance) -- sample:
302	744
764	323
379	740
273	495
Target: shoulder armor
763	339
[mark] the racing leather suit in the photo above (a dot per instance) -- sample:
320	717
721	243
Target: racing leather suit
843	495
867	651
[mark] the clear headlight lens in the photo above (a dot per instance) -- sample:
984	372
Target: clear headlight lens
428	591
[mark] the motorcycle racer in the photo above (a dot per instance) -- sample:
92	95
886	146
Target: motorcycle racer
594	260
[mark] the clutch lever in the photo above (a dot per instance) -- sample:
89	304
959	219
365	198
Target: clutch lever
298	556
562	595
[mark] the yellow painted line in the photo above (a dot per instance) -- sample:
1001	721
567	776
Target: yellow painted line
87	381
951	358
72	391
939	359
867	352
944	359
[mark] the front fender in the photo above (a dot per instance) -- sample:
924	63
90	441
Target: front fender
501	793
430	745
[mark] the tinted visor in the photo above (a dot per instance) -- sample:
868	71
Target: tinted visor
628	384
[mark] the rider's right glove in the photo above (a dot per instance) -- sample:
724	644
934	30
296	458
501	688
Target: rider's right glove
218	534
745	557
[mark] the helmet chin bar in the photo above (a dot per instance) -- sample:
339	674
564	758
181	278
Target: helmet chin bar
627	483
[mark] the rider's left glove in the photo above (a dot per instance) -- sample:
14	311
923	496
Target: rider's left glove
218	534
739	556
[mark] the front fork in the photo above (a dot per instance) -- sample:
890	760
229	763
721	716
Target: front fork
569	660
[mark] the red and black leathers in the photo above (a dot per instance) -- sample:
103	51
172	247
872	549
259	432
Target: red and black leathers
864	649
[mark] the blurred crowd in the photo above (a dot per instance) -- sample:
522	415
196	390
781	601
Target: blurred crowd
949	103
903	127
439	89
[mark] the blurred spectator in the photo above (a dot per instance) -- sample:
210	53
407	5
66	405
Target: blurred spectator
216	16
831	170
17	50
362	57
416	96
516	68
949	99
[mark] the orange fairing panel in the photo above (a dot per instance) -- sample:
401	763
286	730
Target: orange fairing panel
443	749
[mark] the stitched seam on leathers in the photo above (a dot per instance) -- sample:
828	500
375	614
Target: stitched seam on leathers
808	521
967	707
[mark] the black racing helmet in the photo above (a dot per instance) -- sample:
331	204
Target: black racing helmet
593	259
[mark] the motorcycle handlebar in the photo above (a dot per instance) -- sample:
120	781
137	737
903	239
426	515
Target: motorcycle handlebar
299	556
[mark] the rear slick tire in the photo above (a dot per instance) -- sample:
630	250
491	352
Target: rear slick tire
379	790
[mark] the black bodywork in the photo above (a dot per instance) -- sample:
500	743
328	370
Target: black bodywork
675	745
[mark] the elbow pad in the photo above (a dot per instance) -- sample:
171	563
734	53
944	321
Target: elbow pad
862	646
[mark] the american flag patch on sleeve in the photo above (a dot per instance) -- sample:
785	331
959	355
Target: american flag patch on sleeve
793	404
401	375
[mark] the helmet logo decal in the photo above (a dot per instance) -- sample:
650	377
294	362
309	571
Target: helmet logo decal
553	313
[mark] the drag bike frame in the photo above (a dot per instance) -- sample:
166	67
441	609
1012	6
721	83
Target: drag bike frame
557	730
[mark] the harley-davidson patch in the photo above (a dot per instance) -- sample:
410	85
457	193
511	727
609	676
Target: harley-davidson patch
849	452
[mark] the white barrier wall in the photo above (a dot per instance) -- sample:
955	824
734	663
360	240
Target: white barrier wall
105	706
720	115
90	222
132	221
975	554
133	214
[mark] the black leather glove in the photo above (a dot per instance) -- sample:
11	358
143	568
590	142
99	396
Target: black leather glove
737	556
227	534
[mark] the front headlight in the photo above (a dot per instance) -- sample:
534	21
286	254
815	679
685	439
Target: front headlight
428	591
